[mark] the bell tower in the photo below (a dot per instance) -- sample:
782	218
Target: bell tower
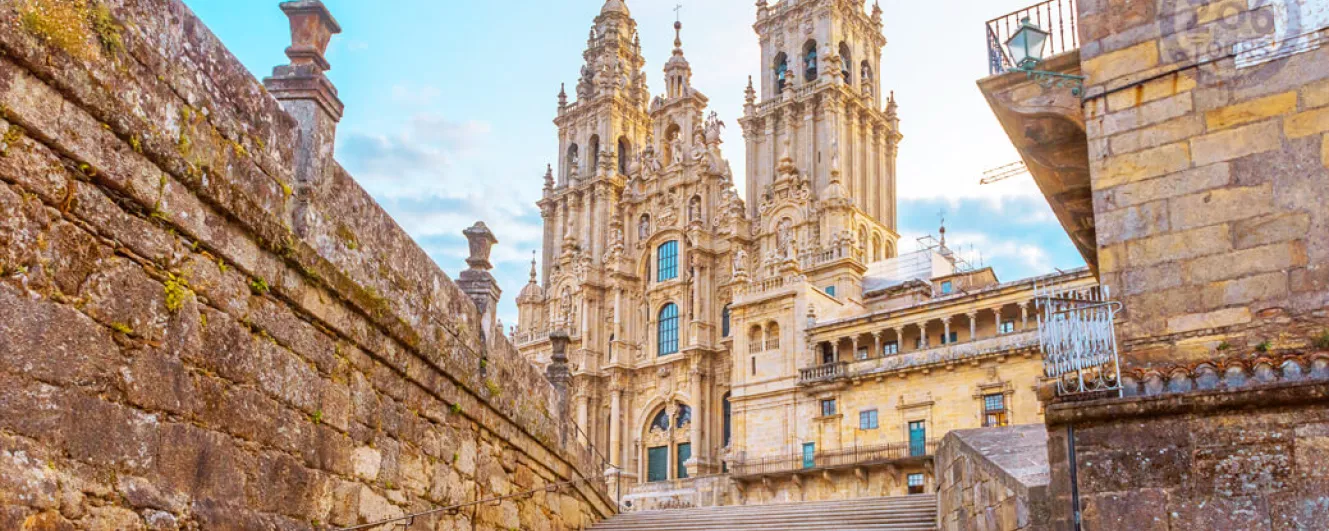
598	135
820	95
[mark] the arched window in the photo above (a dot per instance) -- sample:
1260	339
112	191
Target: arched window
866	79
728	421
684	416
724	321
595	154
572	161
755	341
876	248
667	336
624	154
810	61
781	71
863	237
773	336
666	261
661	421
846	64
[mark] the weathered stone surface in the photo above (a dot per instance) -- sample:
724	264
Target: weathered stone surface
175	356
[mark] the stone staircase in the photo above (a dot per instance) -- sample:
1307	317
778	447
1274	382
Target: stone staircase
903	513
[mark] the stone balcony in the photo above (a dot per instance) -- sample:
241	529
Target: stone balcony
1019	343
824	461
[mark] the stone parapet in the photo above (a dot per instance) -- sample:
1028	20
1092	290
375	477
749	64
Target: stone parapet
240	345
994	478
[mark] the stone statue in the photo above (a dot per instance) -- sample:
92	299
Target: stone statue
740	261
676	148
694	209
713	128
698	144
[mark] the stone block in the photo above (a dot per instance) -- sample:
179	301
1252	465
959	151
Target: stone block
1263	259
1176	184
1219	513
1150	279
1312	122
1236	143
1208	320
1251	111
203	464
1179	245
1135	510
56	344
1228	470
1315	278
1246	290
121	437
1273	228
1315	94
1220	206
1112	65
158	382
1141	165
1154	112
1153	136
1132	223
1324	151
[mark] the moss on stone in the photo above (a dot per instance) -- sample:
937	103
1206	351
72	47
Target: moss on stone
12	136
493	387
1322	341
177	292
347	237
137	144
259	286
80	28
122	328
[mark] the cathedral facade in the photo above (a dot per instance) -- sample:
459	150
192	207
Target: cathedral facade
773	345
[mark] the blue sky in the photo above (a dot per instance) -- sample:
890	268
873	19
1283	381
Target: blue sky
449	109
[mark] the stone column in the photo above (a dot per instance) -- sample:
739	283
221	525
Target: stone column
853	346
558	374
973	325
616	426
922	335
583	421
309	97
876	344
1024	316
996	312
698	420
946	330
899	339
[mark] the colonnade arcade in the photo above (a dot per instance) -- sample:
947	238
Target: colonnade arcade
902	335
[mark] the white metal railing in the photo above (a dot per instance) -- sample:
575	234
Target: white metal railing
1077	332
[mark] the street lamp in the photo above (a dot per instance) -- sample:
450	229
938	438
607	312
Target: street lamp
1026	49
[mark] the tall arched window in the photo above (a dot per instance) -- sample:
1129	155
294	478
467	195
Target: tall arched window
724	321
572	161
595	155
728	421
846	64
666	261
810	61
624	154
876	248
667	336
781	71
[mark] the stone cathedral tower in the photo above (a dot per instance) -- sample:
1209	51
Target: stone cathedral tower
652	260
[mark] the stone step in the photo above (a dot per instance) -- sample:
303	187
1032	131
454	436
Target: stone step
904	513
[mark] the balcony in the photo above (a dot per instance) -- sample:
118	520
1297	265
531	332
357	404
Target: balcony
837	459
1046	124
940	356
823	373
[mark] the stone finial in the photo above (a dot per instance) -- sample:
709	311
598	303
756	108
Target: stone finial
549	178
750	94
876	13
476	282
312	27
482	242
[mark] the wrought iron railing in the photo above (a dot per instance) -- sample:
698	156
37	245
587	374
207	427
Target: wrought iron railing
837	458
1077	332
829	371
1057	17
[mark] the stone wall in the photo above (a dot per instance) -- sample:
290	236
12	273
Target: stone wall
1209	169
1251	459
205	323
994	479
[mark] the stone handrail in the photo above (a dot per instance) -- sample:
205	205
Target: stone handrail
833	459
829	371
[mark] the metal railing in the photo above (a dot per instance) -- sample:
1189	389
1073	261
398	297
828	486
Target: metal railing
829	371
1057	17
837	458
1077	332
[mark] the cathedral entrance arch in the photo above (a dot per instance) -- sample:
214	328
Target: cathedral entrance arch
667	443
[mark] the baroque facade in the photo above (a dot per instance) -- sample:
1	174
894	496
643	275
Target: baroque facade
723	346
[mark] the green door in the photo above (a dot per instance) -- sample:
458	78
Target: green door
918	438
657	463
809	455
684	453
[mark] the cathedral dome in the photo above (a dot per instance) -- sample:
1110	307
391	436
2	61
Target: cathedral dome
614	6
531	294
